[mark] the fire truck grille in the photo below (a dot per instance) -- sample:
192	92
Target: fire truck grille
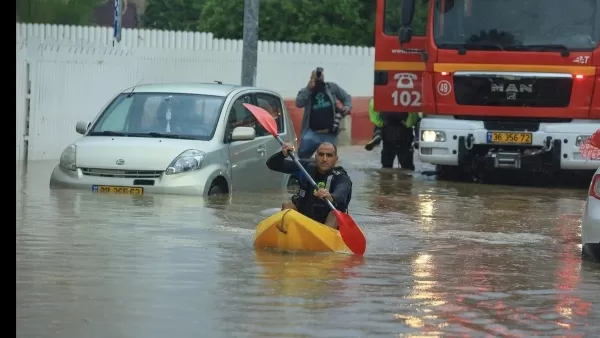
513	91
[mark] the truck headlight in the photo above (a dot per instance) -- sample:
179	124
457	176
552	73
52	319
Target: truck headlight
433	136
580	139
68	158
189	160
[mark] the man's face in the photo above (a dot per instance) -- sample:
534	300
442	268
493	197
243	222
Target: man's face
326	157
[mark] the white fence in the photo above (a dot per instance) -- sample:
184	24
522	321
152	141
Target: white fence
68	73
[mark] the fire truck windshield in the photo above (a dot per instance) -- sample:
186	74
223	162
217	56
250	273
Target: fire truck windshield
517	25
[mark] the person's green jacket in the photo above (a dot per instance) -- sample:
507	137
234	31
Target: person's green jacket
376	119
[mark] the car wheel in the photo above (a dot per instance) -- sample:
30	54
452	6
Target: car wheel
218	187
215	190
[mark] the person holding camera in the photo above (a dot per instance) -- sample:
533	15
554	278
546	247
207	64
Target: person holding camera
321	118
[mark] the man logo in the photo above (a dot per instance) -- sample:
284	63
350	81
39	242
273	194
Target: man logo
120	161
512	89
320	185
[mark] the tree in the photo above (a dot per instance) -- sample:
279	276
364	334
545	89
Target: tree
59	12
420	18
178	15
344	22
341	22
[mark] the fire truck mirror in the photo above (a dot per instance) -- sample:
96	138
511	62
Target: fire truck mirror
404	35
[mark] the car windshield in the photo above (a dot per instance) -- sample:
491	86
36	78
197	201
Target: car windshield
517	25
170	115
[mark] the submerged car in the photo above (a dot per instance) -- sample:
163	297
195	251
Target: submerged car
590	222
191	139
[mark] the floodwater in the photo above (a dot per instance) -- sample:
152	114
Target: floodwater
451	259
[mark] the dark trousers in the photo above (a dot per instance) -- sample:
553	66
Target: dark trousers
397	142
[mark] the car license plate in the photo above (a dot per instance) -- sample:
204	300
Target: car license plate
110	189
509	138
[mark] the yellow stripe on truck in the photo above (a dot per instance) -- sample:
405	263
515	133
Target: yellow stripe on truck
406	66
454	67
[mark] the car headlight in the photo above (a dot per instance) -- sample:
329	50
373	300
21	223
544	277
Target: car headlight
68	158
189	160
580	139
433	136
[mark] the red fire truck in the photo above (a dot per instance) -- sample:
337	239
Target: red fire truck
512	84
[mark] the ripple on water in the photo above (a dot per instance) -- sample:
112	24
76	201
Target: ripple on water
494	237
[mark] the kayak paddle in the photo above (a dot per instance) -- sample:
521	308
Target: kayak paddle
351	234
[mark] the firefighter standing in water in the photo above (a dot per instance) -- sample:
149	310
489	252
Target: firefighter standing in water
395	131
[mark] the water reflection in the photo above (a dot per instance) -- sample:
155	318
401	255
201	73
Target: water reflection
306	275
425	295
443	259
393	191
568	274
484	302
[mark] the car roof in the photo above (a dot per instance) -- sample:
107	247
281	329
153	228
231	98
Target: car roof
215	89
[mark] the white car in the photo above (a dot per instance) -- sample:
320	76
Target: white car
190	139
590	222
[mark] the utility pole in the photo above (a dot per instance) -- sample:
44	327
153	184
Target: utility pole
117	21
250	51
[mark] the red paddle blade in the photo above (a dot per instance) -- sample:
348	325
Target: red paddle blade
263	117
351	234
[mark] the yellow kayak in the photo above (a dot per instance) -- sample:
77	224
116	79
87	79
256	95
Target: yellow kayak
289	230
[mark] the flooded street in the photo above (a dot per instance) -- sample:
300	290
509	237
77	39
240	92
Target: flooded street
443	258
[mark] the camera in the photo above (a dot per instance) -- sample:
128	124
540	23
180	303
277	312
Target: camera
319	72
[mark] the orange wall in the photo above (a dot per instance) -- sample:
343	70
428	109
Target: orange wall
362	128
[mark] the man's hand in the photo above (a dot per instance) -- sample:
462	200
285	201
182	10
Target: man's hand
346	111
286	148
311	82
323	193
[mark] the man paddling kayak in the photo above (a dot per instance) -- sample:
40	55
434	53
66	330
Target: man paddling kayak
333	182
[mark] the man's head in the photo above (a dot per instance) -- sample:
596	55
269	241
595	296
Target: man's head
326	157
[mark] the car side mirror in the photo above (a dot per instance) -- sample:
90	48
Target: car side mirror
243	134
82	126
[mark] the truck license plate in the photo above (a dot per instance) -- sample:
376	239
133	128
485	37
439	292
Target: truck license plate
509	138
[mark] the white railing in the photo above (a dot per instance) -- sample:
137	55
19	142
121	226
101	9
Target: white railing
73	71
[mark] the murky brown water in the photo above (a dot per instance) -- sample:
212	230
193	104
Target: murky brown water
443	258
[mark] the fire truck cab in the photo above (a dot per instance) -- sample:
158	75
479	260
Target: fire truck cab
511	84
